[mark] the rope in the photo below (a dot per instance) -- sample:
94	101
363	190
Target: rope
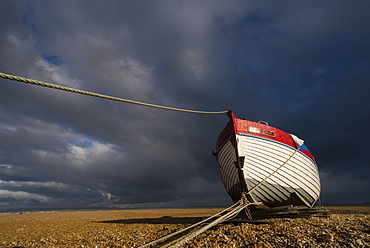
83	92
228	216
189	227
241	204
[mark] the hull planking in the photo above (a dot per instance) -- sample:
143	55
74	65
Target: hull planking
272	165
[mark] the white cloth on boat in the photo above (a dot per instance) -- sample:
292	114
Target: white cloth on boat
298	142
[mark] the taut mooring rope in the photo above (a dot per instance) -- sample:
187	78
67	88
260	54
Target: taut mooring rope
83	92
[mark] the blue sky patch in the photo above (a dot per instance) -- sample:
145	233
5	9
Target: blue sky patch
84	143
52	59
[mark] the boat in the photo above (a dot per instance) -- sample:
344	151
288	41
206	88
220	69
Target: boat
266	165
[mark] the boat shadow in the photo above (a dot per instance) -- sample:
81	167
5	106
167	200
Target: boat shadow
161	220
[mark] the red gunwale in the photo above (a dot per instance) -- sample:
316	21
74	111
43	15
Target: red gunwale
241	126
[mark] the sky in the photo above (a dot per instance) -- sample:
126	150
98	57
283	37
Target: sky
301	66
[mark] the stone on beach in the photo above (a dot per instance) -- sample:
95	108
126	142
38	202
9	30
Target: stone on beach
345	227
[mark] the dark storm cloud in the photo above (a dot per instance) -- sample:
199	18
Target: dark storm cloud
303	67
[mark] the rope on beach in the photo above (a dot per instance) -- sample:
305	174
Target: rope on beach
227	216
83	92
223	216
189	227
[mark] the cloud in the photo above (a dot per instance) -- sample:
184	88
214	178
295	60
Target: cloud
21	195
340	185
300	67
55	73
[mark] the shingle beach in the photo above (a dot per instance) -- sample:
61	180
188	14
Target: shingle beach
345	227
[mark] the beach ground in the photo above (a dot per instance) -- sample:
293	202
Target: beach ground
345	227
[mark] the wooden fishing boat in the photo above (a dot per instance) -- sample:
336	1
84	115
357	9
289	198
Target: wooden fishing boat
266	164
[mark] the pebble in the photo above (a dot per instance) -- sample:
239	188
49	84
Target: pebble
132	228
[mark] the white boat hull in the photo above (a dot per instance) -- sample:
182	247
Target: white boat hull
272	172
296	182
